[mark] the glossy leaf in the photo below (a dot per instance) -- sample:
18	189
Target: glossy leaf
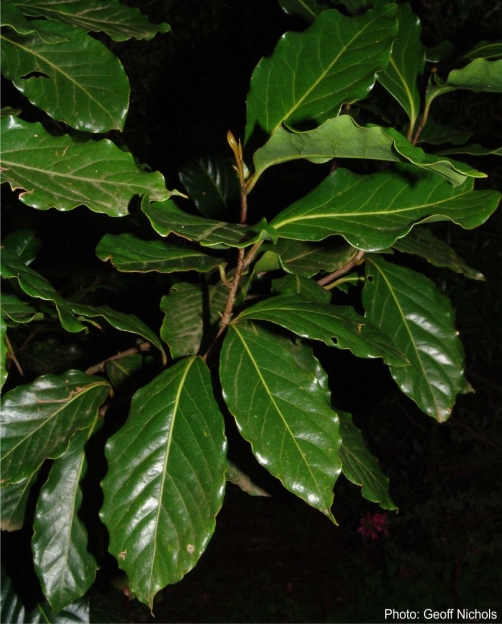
118	21
484	49
120	371
342	137
63	563
38	419
13	18
37	286
306	9
371	212
336	326
190	309
121	321
213	186
408	307
16	310
360	466
131	254
422	242
300	285
58	172
14	500
3	353
281	409
91	96
166	478
167	218
407	62
23	243
13	610
311	74
308	259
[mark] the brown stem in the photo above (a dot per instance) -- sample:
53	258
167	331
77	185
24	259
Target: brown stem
356	259
12	355
99	368
252	253
234	286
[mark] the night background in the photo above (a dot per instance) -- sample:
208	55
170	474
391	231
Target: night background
276	559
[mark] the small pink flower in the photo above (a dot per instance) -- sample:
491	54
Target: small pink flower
373	525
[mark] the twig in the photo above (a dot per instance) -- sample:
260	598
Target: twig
99	368
12	355
356	259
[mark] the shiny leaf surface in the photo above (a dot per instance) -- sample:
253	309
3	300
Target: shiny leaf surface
63	563
213	186
166	478
342	137
311	74
39	419
336	326
303	258
12	17
14	499
422	242
371	212
280	408
91	96
298	284
18	311
306	9
408	307
118	21
23	243
37	286
406	63
360	466
58	172
131	254
167	218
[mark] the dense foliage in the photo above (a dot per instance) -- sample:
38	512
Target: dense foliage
248	289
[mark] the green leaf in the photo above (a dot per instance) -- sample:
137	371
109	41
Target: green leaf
91	96
167	218
37	286
336	326
408	307
484	49
18	311
343	138
478	75
436	134
306	9
14	500
311	74
120	371
307	288
130	254
422	242
121	321
359	465
281	409
407	62
12	17
166	478
473	150
65	567
39	419
3	353
212	184
13	610
371	212
118	21
308	259
23	244
58	172
190	309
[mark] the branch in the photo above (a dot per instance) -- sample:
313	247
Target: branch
356	259
99	368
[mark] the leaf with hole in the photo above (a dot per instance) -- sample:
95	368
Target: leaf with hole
91	96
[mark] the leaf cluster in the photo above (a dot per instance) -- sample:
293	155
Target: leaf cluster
247	291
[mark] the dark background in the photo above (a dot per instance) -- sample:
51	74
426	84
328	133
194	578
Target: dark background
275	559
